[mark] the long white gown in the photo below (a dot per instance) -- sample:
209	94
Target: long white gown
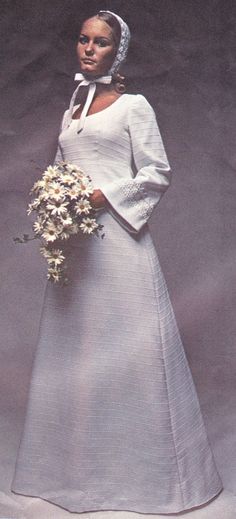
113	420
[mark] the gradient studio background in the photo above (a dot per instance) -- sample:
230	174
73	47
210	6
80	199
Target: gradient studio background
182	58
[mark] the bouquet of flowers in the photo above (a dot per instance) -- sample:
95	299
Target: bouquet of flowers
61	201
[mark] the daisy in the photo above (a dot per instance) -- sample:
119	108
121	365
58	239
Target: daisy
50	232
40	184
30	208
73	192
88	225
64	235
68	179
57	208
56	191
71	168
55	257
45	252
51	172
36	187
66	219
85	188
73	228
44	196
34	206
78	174
38	228
54	274
42	214
82	206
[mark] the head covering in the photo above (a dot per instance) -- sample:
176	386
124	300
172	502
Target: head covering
119	59
123	44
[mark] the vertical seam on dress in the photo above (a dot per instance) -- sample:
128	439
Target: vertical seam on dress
160	331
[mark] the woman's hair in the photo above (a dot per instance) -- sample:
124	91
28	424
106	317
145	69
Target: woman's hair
116	30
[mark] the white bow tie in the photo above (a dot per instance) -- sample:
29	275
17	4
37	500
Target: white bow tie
92	88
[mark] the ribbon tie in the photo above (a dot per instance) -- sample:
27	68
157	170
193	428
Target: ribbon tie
91	92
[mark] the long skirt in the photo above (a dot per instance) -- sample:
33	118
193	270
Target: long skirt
113	419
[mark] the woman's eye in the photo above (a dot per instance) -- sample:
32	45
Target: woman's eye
83	40
102	43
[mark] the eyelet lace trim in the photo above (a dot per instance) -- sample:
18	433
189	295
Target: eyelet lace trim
134	192
123	45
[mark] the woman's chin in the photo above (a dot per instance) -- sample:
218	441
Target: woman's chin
91	71
88	68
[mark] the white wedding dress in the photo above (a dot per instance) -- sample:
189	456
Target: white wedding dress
113	420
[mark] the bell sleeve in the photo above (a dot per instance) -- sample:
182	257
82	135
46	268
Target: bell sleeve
132	200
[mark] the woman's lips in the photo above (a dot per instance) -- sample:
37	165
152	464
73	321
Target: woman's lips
88	61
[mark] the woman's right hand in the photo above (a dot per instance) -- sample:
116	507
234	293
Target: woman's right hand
97	199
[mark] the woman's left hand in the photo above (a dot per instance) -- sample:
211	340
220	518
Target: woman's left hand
97	199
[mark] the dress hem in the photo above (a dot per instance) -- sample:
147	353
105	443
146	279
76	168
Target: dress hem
142	510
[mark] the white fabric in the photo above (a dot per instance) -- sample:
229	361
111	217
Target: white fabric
86	81
92	88
113	420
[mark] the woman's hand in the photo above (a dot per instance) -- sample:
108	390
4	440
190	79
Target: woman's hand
97	199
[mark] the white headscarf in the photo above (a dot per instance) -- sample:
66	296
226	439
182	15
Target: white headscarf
123	44
119	59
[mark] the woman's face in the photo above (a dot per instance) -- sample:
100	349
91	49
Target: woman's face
96	47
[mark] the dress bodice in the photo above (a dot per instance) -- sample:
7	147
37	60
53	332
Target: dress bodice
104	144
121	149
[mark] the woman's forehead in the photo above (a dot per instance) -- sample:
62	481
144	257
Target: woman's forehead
96	26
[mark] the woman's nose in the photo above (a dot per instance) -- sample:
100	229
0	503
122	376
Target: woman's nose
89	49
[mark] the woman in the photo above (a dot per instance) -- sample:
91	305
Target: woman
113	420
